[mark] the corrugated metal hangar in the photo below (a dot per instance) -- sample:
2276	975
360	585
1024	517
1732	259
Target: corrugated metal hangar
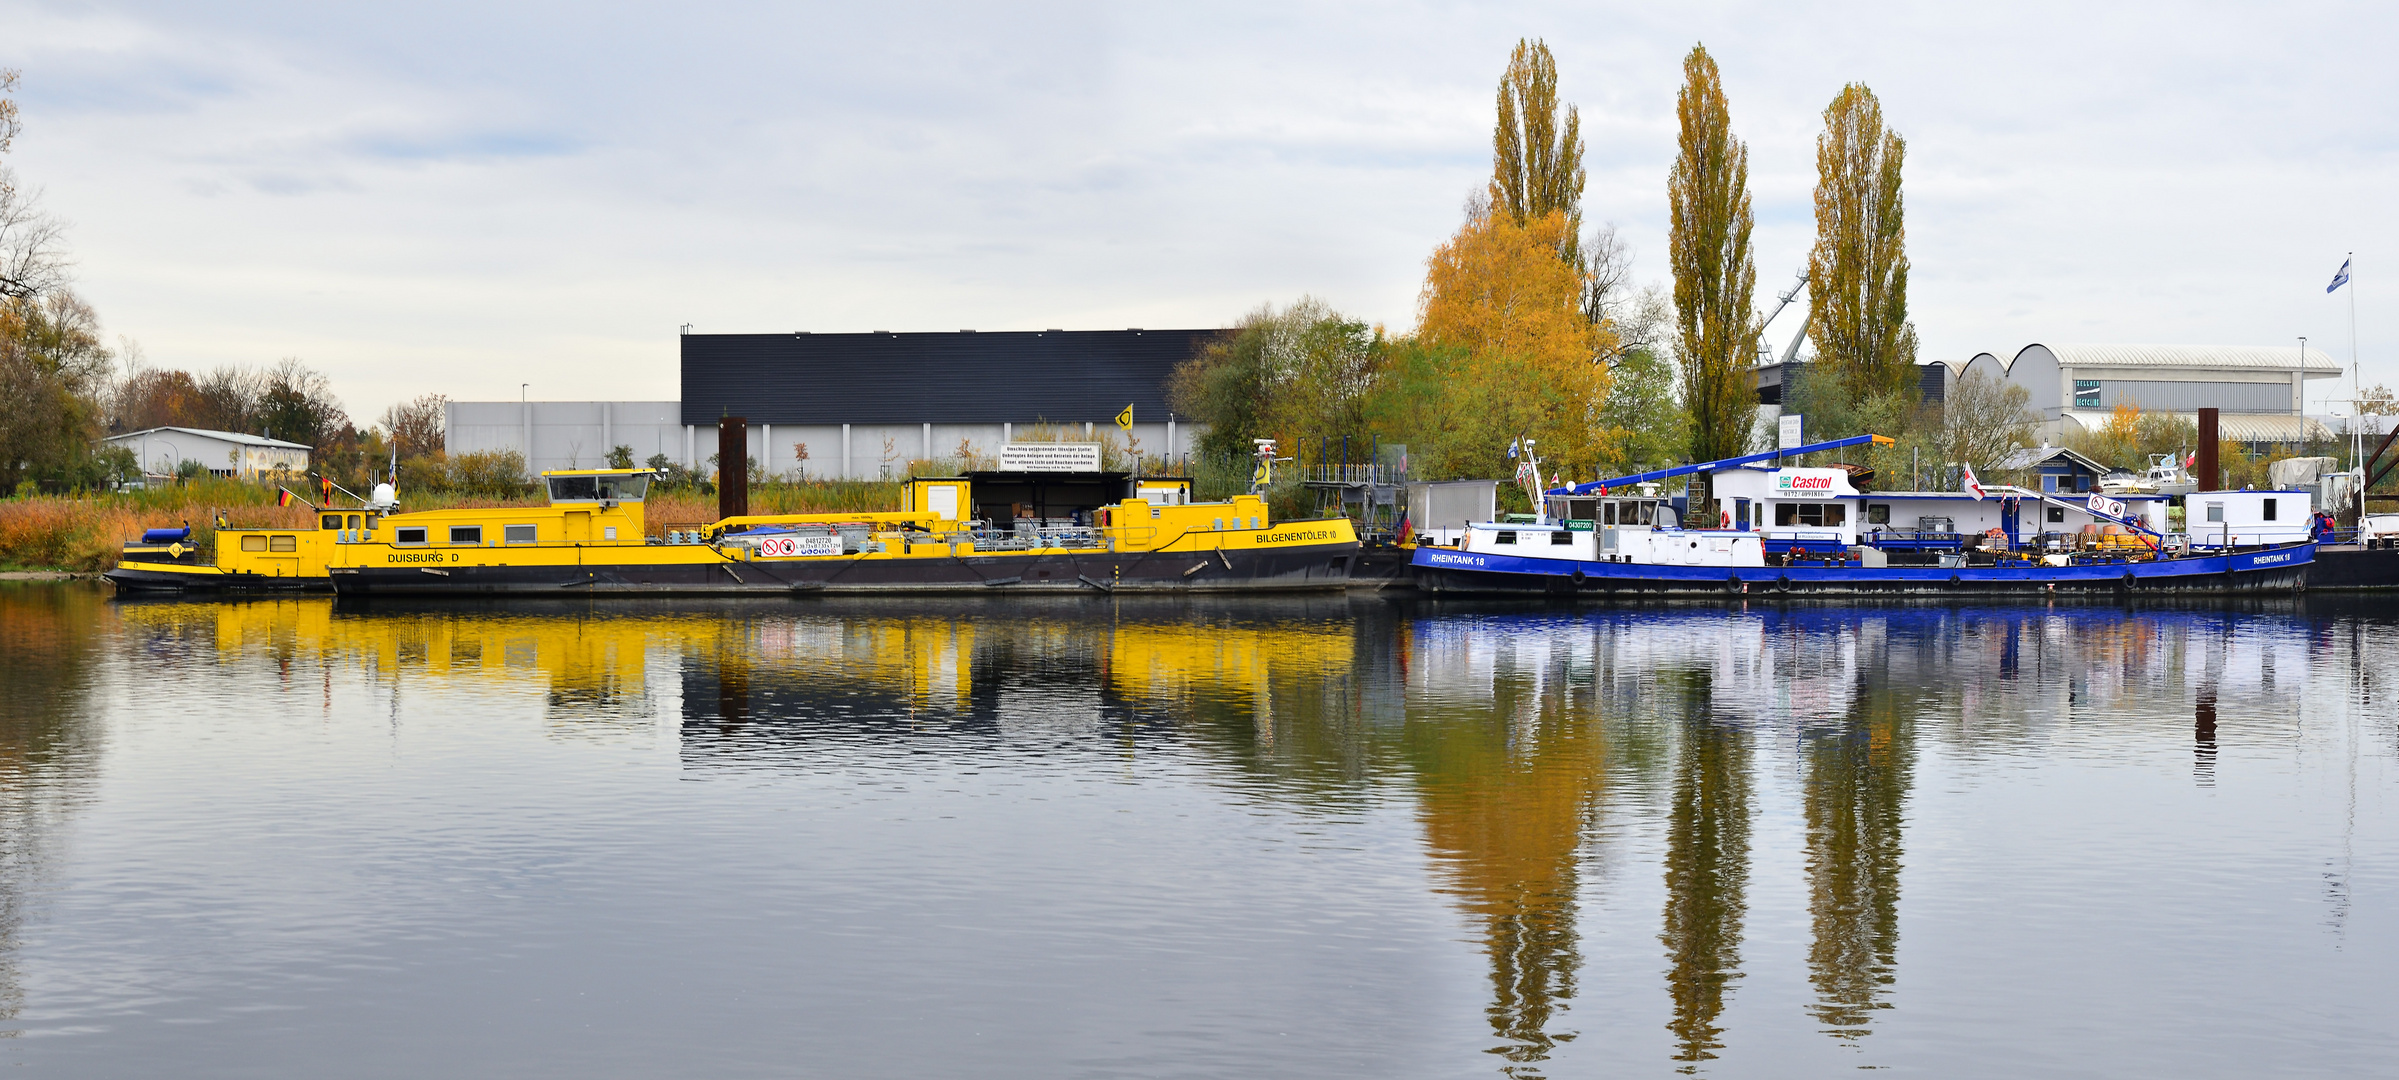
863	405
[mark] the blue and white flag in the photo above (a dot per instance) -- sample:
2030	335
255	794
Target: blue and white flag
1511	451
2341	278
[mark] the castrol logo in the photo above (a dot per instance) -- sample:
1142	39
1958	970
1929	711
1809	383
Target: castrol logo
1798	483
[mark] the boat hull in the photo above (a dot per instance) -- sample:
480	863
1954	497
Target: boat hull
1276	569
137	577
2282	569
2349	567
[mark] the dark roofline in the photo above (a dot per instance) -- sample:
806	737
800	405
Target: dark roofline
962	377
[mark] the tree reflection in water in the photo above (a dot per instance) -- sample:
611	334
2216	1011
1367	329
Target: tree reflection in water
48	638
1857	785
1504	795
1707	868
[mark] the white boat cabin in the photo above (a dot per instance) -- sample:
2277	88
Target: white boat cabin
1815	512
2248	518
1818	509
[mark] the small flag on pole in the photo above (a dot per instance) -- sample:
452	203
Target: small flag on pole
2341	278
283	497
1125	419
1974	487
1511	450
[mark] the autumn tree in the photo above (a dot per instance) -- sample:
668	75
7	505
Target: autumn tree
1715	274
1858	270
1498	296
53	371
156	398
298	404
415	426
1537	165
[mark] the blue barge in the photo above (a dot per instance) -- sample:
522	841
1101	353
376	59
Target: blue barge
1799	531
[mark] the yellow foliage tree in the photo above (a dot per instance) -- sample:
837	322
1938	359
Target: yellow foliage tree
1498	293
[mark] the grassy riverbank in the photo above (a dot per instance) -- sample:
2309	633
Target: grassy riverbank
85	532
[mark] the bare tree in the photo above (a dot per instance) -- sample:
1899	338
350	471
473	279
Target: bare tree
1610	286
1982	419
415	426
33	260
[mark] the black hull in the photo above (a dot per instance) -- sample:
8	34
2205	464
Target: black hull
2347	568
1282	569
133	578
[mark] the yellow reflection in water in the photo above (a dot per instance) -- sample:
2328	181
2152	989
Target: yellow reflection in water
589	667
1508	780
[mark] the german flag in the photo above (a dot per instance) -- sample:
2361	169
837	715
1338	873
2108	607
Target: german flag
283	497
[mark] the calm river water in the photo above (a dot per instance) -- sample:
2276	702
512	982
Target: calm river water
1321	837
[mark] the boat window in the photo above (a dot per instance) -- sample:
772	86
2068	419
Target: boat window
374	520
1504	538
283	543
1836	514
353	521
631	489
2057	515
408	536
2269	508
331	521
1609	509
1561	537
574	487
466	534
517	534
254	543
1786	513
1878	513
2215	511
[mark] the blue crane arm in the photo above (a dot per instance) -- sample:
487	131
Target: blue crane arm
1712	466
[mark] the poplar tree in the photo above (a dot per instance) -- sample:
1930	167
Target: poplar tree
1858	270
1537	167
1715	274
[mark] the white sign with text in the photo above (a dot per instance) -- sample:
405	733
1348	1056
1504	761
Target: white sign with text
1050	457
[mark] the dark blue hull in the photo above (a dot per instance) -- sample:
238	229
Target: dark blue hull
2282	569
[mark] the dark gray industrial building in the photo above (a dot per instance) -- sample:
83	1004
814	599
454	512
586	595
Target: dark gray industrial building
863	404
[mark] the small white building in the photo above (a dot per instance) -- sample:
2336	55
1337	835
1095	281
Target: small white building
162	450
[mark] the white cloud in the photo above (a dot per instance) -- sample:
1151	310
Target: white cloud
463	198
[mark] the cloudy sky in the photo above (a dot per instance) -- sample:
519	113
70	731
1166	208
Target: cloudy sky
463	198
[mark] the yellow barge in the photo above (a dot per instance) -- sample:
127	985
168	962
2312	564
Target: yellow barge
592	537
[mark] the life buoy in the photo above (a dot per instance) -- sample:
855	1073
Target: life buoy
1100	517
1725	520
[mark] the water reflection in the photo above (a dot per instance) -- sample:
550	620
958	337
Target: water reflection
1707	867
1520	749
1510	765
1857	785
50	642
590	667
